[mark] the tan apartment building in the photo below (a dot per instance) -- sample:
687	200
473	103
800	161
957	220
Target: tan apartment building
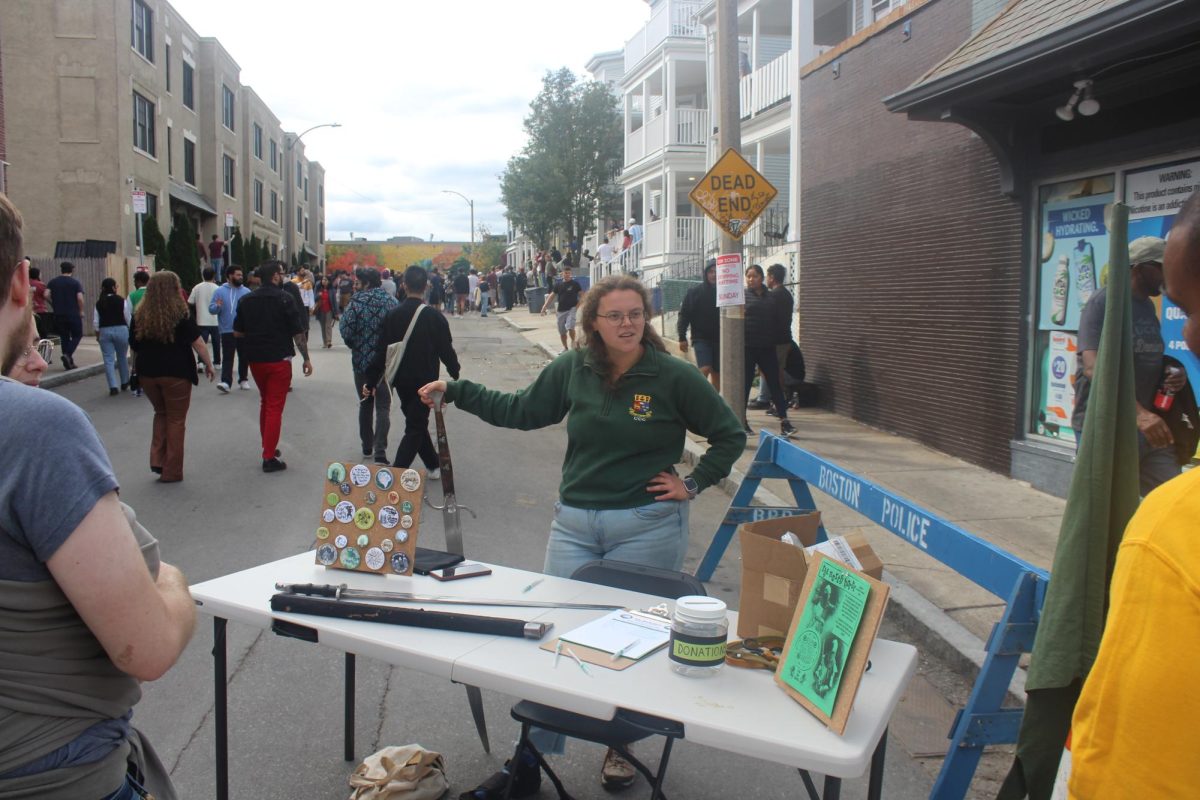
103	98
304	183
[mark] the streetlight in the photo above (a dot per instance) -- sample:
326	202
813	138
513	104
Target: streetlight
471	203
291	182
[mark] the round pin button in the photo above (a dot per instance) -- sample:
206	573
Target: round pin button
364	518
393	497
360	475
410	480
327	515
372	498
350	558
406	507
401	536
384	479
344	511
363	540
336	472
341	540
326	554
375	558
386	545
400	562
406	522
345	488
331	498
322	533
389	517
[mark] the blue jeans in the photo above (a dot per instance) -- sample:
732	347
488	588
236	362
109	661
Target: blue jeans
218	265
129	790
114	346
483	303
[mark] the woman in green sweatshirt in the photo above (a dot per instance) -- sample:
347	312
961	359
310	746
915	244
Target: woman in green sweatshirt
628	406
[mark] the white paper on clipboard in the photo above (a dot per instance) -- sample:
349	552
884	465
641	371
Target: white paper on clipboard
632	633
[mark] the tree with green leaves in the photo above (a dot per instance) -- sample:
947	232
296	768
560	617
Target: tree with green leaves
565	173
253	252
489	252
237	248
153	243
264	252
181	250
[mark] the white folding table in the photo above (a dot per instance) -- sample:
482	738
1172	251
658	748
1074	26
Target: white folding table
739	711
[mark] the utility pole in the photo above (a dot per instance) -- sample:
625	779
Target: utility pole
733	318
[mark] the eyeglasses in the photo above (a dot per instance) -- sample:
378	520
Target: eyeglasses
44	347
618	318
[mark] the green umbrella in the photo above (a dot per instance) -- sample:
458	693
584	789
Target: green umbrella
1103	497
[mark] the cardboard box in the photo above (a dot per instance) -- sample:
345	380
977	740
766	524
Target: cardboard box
773	572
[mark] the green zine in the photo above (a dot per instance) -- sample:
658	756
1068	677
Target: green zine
821	645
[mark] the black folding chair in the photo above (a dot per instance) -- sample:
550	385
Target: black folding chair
626	727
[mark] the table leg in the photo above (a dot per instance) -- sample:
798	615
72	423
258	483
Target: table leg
349	707
832	789
475	700
221	708
875	783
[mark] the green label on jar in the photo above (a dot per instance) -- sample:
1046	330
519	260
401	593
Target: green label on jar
697	651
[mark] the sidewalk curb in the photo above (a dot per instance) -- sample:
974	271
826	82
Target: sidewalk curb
939	633
71	376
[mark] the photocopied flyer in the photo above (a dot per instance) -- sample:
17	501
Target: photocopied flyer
630	633
832	614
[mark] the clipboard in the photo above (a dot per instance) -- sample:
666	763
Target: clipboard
603	658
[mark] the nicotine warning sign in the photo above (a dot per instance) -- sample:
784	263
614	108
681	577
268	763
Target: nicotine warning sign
733	194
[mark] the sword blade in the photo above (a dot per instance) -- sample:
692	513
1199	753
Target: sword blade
411	597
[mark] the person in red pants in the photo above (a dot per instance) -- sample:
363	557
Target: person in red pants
266	321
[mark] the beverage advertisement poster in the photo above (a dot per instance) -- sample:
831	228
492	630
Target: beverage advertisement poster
1154	197
1074	259
1058	386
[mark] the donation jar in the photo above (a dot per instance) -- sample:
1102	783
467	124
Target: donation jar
699	631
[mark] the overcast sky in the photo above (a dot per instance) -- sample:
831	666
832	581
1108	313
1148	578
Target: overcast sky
431	95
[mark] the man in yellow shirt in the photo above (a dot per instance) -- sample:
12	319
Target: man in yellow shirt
1133	728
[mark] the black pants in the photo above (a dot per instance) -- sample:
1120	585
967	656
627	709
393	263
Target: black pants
765	359
230	346
416	439
70	331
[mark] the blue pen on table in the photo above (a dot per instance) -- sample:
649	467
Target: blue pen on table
530	586
621	652
578	661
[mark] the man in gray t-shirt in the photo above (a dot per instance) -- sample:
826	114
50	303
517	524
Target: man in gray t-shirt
1157	463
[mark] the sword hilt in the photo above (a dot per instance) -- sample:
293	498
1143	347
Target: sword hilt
457	507
312	589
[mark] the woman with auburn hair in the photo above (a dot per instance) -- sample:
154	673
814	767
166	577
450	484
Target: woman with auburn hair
629	406
164	336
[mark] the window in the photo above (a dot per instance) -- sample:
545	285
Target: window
299	220
306	190
170	160
322	229
258	141
227	168
258	196
321	195
299	176
274	206
189	86
142	29
227	107
143	124
152	204
306	226
167	58
881	8
274	157
189	162
274	250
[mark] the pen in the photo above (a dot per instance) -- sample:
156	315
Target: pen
557	653
530	586
621	652
582	666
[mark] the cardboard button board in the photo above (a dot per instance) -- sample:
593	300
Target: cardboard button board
733	193
369	518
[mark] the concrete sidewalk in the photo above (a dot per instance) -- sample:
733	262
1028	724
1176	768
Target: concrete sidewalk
956	614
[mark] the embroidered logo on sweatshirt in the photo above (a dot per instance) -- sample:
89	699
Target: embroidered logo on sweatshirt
640	410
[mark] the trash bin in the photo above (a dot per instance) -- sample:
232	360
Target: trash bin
536	295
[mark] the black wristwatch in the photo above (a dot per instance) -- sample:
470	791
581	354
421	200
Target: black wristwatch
693	488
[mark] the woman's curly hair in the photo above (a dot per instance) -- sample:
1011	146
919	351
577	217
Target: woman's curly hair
588	316
161	308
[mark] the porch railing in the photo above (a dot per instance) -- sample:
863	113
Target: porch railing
767	86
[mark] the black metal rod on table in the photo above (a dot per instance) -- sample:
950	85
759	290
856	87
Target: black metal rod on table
348	701
875	782
832	789
221	703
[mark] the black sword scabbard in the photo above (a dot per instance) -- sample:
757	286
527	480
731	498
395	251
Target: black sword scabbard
412	617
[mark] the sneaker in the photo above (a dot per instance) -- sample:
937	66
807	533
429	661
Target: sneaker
381	458
617	773
137	392
223	387
244	385
274	465
771	412
746	427
526	782
113	391
366	452
786	429
756	405
435	474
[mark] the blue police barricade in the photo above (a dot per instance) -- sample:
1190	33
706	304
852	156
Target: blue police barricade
1021	585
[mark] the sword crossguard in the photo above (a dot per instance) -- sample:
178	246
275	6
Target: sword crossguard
457	507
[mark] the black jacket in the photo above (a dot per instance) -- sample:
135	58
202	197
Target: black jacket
699	310
268	320
431	343
762	314
784	305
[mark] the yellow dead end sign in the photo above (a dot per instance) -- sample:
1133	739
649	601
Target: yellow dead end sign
733	193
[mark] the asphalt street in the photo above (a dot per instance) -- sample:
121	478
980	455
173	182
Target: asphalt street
286	696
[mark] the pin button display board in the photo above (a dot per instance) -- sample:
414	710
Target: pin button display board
369	518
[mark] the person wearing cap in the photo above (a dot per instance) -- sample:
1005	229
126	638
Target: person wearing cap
635	230
1156	453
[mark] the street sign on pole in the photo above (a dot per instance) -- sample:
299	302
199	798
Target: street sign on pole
228	219
733	193
139	201
730	287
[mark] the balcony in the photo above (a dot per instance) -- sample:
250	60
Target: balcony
672	236
767	86
672	18
691	127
